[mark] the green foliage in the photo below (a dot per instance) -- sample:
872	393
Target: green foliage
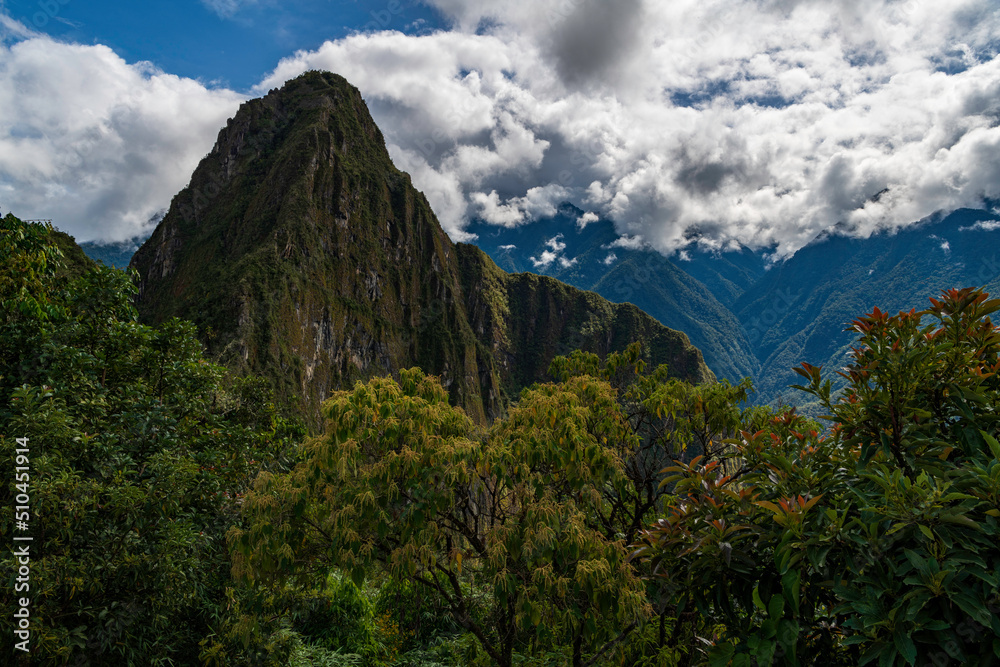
28	264
875	541
921	412
517	533
665	419
135	467
405	482
422	614
409	535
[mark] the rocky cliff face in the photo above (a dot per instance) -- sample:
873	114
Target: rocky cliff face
525	320
304	255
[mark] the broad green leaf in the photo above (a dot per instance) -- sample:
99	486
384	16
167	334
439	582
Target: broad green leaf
905	646
993	444
790	585
775	606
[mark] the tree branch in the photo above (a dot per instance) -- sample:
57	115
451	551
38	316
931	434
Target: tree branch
611	644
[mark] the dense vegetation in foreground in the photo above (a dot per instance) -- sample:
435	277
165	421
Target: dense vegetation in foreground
614	516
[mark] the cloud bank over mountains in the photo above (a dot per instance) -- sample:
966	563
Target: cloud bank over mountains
763	122
717	121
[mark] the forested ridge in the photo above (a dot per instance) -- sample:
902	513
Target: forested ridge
614	515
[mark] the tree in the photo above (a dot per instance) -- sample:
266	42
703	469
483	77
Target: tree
877	540
922	415
29	264
402	481
137	456
665	419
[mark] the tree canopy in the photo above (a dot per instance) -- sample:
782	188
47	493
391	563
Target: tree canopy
612	516
139	451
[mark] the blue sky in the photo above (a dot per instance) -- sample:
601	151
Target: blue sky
226	42
763	123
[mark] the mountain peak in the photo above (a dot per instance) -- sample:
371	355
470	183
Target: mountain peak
302	253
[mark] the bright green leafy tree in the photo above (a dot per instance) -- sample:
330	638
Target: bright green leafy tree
537	510
667	420
403	481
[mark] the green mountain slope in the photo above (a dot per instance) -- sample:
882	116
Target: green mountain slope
526	319
800	309
303	254
75	260
667	290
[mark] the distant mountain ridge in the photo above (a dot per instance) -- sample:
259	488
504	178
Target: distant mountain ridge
749	318
589	258
303	254
799	310
116	254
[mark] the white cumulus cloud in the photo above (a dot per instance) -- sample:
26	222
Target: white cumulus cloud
556	243
566	263
982	225
586	219
96	144
539	202
545	261
628	242
719	122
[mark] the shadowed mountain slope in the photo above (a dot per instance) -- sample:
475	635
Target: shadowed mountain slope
800	309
